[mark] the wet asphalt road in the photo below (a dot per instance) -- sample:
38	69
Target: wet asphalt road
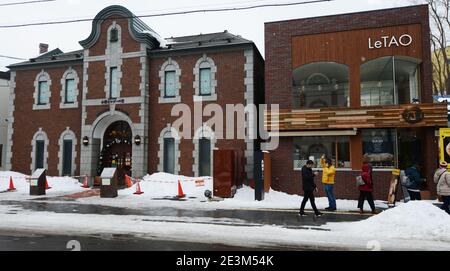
285	218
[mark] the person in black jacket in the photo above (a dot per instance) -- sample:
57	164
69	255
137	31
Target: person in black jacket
309	187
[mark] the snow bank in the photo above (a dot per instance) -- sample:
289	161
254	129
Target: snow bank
412	220
59	185
160	185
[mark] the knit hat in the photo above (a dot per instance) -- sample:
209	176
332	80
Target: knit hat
443	164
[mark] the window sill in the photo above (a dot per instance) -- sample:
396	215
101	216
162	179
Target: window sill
41	106
68	105
321	169
163	100
206	98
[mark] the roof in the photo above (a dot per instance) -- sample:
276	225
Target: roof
203	40
139	30
53	56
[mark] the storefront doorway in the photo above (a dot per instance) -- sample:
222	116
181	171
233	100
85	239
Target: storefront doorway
410	149
117	149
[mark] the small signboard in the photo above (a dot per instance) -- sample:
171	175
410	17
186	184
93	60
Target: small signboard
37	182
108	188
444	144
200	183
393	187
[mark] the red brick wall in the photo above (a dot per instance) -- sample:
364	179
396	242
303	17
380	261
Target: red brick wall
230	90
53	121
278	81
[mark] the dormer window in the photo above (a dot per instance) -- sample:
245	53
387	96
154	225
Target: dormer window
114	37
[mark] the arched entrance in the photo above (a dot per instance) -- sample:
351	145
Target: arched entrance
116	149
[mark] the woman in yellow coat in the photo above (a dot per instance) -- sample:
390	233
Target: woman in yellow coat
329	172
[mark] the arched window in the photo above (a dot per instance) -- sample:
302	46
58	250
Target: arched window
204	142
169	151
321	84
69	89
169	87
67	153
39	154
42	93
390	80
205	79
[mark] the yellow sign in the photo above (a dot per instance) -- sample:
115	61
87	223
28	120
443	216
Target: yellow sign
444	144
396	172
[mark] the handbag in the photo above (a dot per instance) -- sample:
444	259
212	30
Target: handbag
359	181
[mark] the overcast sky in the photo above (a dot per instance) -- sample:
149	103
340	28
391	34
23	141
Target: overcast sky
23	42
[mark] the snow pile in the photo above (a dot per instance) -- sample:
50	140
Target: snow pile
161	185
412	220
59	185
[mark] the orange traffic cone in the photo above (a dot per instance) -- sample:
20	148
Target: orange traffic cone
11	185
138	189
180	191
85	183
128	181
46	185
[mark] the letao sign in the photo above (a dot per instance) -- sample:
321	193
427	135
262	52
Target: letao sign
444	144
390	41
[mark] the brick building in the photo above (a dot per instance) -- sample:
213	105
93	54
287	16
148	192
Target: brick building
352	86
110	103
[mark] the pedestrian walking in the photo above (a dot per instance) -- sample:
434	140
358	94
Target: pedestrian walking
308	188
442	179
366	189
328	175
413	183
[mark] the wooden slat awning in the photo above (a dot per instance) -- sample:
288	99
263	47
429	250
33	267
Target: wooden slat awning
410	115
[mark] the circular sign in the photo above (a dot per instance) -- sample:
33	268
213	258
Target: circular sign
413	114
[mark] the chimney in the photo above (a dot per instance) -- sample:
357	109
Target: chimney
43	48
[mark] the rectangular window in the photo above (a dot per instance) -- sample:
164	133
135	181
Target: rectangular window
67	158
169	155
379	146
40	145
336	148
70	91
113	84
205	81
169	86
43	93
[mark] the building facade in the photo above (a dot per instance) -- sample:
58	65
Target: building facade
111	103
352	87
4	103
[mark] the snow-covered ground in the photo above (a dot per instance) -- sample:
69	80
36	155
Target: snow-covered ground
59	186
414	225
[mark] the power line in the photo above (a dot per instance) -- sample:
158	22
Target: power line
25	3
11	57
173	13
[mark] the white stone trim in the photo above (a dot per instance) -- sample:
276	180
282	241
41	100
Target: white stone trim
113	54
250	118
67	135
36	106
144	113
39	135
67	73
205	62
169	132
169	65
123	55
202	132
11	107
